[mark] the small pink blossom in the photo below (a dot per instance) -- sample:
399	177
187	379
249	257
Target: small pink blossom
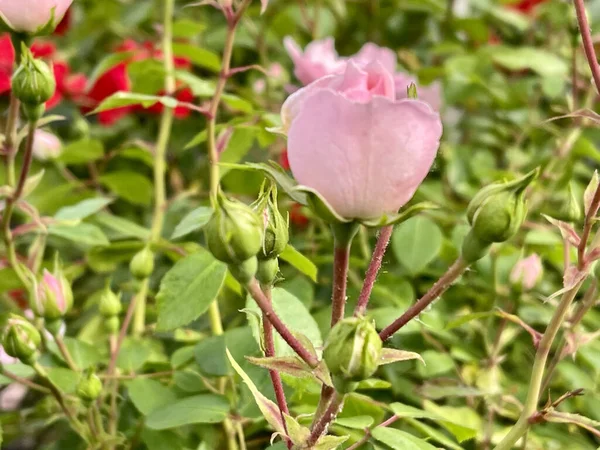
351	140
30	16
46	145
527	272
52	296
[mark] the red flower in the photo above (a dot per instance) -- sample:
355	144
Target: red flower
43	49
7	61
117	79
297	217
64	25
526	6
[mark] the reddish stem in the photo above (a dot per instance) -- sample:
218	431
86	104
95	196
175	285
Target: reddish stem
588	43
269	313
341	257
275	377
325	420
375	265
436	290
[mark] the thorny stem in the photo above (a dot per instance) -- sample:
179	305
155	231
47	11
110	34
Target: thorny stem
11	252
160	153
375	265
275	377
537	373
341	257
440	286
325	420
269	313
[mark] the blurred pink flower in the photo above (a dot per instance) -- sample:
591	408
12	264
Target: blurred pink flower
30	17
351	140
46	145
527	272
320	59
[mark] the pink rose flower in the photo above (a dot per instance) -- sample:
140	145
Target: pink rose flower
527	272
30	16
46	145
351	140
320	59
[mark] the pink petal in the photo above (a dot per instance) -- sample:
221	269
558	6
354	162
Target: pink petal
365	159
371	52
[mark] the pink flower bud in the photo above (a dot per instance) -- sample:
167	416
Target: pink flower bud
351	140
46	145
52	296
527	272
27	16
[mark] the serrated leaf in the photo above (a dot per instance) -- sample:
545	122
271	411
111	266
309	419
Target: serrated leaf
83	209
188	289
296	432
300	262
84	235
391	355
330	442
291	365
269	409
122	99
193	221
205	408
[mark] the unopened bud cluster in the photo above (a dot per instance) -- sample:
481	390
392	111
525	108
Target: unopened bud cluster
248	239
495	214
89	387
21	339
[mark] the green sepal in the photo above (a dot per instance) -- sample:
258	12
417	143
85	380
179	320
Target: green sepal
400	217
320	206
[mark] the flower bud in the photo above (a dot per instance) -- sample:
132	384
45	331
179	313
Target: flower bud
564	206
21	339
33	82
52	296
527	273
497	211
89	387
112	324
473	249
267	271
46	146
142	264
352	352
110	303
244	271
234	232
275	227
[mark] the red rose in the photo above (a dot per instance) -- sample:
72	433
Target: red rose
64	25
7	60
526	6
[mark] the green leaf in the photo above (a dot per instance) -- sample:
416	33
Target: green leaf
106	259
330	442
541	61
121	99
464	429
18	369
134	354
269	409
84	355
300	262
188	289
436	363
193	221
84	235
130	186
82	152
206	408
65	379
83	209
355	423
199	87
416	243
294	314
198	56
123	228
148	395
238	146
400	440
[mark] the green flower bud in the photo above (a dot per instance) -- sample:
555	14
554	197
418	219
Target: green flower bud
245	271
89	387
275	227
267	271
234	232
473	249
564	206
142	264
352	352
497	211
33	82
51	297
21	339
112	324
110	303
